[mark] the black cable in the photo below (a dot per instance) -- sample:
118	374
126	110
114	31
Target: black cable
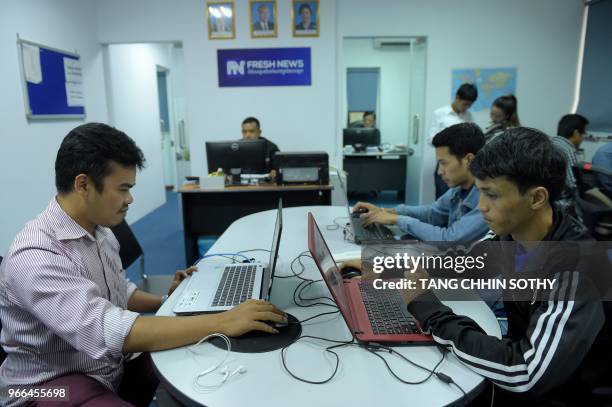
373	349
319	315
327	349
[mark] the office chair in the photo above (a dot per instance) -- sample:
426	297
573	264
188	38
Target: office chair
130	251
2	353
594	206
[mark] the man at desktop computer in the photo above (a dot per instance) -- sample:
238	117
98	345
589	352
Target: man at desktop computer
251	130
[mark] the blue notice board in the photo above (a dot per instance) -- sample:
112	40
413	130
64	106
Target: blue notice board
52	82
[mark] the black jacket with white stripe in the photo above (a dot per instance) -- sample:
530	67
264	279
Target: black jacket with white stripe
556	350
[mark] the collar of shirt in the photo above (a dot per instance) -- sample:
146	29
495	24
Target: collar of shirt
566	141
66	228
470	201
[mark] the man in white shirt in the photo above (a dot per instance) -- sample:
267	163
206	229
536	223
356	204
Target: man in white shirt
455	113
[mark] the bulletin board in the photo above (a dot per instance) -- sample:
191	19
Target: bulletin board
52	82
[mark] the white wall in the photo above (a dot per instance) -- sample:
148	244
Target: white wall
27	152
540	38
293	117
133	107
394	86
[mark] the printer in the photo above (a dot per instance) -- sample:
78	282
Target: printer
301	167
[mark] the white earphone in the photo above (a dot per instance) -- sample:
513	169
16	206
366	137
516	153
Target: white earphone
224	370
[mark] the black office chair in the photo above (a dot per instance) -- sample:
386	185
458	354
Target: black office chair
130	251
2	352
593	204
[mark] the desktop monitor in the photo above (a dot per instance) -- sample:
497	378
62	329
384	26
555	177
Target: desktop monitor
361	136
248	155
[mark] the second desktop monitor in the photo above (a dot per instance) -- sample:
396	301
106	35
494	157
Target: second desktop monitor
247	155
360	137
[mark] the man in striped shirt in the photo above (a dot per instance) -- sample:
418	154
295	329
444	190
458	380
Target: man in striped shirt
69	315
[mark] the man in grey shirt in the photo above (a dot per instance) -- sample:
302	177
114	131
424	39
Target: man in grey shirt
69	315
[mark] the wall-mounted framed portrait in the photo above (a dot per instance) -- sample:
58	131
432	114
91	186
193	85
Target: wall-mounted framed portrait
221	21
305	18
263	18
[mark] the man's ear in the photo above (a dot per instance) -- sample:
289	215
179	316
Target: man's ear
82	184
539	198
469	157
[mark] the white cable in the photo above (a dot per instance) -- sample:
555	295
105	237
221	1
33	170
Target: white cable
206	388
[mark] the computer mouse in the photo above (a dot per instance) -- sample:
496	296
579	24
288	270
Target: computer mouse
277	325
350	272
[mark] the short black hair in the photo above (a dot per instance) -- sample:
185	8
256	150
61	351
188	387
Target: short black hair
526	157
461	139
91	149
369	113
571	122
305	6
468	92
252	120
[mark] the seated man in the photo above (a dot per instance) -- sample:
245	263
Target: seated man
556	351
69	315
455	215
603	160
251	130
570	133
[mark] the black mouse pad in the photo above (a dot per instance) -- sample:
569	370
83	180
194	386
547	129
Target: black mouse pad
258	342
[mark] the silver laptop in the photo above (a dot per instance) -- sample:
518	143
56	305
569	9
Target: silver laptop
219	288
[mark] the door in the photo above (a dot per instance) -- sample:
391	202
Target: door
416	133
167	141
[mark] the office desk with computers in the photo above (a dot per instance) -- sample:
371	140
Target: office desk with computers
361	378
371	168
303	180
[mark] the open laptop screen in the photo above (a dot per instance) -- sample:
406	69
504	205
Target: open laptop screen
270	270
328	268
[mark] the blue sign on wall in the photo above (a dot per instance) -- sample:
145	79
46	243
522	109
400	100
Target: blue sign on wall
264	67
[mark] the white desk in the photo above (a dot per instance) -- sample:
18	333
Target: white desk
362	379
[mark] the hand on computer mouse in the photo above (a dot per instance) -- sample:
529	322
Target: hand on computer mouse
251	315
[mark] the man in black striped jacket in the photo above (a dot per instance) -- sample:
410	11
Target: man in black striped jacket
556	351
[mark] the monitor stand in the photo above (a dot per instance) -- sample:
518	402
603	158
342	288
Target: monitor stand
259	342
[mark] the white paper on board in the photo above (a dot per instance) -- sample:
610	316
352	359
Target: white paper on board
72	70
31	63
74	94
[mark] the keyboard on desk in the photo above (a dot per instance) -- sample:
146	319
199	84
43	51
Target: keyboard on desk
236	285
386	311
372	232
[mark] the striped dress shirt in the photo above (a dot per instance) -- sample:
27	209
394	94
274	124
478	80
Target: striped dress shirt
63	303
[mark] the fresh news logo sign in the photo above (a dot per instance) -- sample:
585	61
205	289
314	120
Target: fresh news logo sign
264	67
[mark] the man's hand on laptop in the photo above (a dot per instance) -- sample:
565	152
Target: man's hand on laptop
250	316
381	216
365	207
179	276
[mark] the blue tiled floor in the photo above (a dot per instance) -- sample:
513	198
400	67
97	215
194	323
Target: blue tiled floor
160	234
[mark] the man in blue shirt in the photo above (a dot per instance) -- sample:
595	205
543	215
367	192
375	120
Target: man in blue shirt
455	215
603	160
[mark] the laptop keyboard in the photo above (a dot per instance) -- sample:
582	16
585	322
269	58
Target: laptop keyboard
385	312
372	232
235	286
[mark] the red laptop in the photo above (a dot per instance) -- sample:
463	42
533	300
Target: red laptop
372	315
